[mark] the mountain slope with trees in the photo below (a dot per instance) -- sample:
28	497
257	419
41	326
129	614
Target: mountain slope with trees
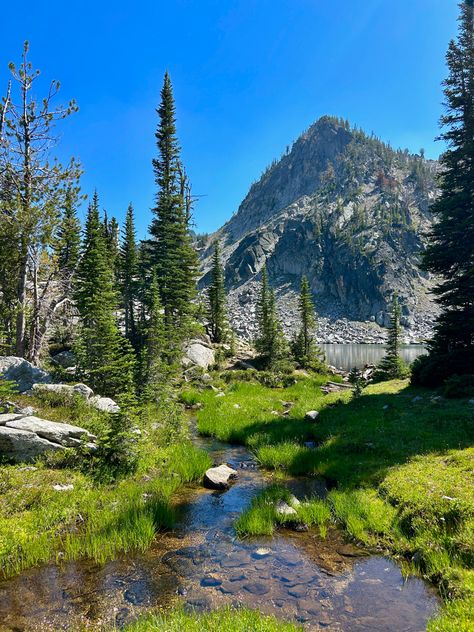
347	211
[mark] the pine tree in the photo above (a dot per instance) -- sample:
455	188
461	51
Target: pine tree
68	244
305	350
392	366
217	314
104	357
450	252
271	342
128	267
155	338
171	251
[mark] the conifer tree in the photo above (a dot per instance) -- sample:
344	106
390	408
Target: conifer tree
392	365
271	342
171	250
104	358
128	275
68	244
155	337
305	349
217	314
450	252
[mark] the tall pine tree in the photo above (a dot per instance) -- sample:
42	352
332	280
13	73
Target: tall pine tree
450	252
392	366
305	350
104	357
171	252
68	243
217	313
271	342
128	267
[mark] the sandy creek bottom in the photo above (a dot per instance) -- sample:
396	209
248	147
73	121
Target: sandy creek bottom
321	583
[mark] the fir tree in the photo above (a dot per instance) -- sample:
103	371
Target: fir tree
155	337
217	313
304	347
68	244
392	366
450	252
271	342
104	358
128	267
171	251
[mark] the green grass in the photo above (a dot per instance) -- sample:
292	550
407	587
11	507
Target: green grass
228	619
403	469
39	524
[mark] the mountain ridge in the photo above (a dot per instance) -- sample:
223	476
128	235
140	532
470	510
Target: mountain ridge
348	211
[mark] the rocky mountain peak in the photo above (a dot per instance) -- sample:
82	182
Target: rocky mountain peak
350	213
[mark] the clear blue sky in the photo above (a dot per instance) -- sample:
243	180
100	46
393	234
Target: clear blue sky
249	76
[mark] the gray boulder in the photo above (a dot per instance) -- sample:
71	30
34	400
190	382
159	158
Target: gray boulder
283	509
219	477
61	433
6	417
22	445
66	359
66	389
22	372
200	354
105	404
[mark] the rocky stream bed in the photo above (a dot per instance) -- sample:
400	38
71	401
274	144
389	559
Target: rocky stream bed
321	583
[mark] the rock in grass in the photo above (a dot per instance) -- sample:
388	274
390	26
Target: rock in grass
311	415
283	509
219	477
22	445
22	372
63	434
105	404
63	488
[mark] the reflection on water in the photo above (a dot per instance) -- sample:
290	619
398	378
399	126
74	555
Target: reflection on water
298	576
357	355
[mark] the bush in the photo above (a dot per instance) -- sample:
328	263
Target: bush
432	370
459	386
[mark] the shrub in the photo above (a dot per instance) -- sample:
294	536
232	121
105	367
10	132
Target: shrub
432	370
459	386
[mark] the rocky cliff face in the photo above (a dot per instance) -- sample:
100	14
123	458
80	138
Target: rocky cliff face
351	214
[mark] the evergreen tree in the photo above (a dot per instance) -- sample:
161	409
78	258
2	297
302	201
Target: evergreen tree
128	275
271	342
171	250
104	358
450	252
155	337
305	350
111	235
392	366
68	244
217	313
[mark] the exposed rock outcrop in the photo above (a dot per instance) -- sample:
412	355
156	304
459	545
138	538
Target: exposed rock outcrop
352	215
219	477
200	354
22	372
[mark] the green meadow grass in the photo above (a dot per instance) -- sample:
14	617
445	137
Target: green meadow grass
401	461
228	619
39	524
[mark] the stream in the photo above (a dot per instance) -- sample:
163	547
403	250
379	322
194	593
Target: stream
322	583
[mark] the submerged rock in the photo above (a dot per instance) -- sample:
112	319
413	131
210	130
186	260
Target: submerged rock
219	477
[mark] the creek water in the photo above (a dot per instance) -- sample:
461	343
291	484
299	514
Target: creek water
321	583
347	356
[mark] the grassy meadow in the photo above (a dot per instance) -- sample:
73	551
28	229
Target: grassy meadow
95	519
399	462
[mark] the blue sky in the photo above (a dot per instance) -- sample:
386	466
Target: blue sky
249	77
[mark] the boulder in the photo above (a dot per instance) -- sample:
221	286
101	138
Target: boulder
6	417
66	389
22	372
61	433
311	415
219	477
199	354
105	404
22	445
65	359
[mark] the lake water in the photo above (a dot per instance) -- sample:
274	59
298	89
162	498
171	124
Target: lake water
357	355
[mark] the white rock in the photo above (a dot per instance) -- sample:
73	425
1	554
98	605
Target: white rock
22	445
199	354
64	434
311	415
63	488
283	509
105	404
219	477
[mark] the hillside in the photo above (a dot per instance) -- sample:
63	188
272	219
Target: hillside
349	212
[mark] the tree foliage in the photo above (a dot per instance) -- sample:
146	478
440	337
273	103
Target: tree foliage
392	366
305	350
217	312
